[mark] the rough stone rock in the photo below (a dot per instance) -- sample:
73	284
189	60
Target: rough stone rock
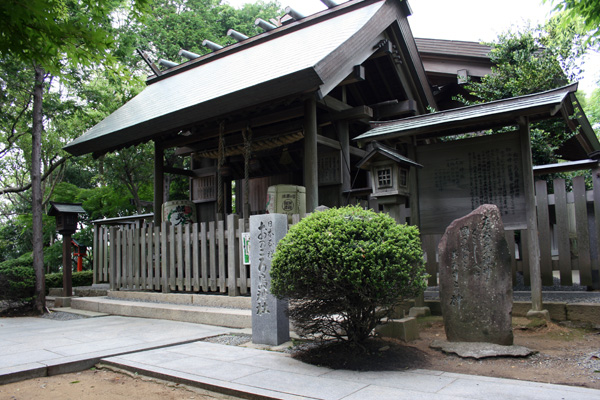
480	350
475	279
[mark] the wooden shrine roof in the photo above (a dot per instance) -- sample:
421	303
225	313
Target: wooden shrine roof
545	105
311	55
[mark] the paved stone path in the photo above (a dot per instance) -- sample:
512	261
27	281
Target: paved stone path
35	346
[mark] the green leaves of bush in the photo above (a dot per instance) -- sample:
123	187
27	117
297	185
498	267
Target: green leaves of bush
343	270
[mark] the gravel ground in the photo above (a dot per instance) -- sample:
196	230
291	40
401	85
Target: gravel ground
229	340
62	316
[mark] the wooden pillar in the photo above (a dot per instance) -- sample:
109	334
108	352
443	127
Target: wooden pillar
343	129
67	266
596	265
532	228
413	186
311	175
159	177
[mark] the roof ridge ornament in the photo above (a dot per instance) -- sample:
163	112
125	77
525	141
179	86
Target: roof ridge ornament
211	45
238	36
264	25
296	15
330	3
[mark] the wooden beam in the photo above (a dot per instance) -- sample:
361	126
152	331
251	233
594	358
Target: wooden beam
178	171
238	126
360	112
357	75
272	132
396	110
333	104
325	141
152	66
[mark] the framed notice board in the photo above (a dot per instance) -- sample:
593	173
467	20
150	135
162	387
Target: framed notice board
460	175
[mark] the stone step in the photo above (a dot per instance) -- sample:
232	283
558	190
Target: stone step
219	316
82	291
205	300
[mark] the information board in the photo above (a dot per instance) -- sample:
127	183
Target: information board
460	175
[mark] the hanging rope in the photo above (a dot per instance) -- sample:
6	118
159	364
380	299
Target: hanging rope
247	134
220	162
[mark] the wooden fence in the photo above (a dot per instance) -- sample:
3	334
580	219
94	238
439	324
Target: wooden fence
185	258
206	257
568	224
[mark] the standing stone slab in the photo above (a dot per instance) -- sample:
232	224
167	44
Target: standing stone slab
475	279
270	323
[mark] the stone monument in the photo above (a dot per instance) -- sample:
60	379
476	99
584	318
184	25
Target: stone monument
475	279
270	323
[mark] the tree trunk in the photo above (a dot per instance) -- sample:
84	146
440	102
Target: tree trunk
36	192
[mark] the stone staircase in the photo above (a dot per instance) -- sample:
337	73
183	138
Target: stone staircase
220	310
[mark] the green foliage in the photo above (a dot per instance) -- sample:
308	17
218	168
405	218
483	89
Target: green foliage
531	61
17	283
580	11
343	270
83	278
184	24
26	260
45	32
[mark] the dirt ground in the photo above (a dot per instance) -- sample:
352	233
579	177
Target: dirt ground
566	355
103	384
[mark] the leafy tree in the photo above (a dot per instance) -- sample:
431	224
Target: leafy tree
48	35
343	271
577	11
185	24
531	61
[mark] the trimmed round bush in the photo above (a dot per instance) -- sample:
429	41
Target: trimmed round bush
343	270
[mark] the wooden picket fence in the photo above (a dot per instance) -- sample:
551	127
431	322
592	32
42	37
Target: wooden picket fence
568	224
199	257
206	257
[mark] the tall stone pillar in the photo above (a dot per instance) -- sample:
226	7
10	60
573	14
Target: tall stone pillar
270	323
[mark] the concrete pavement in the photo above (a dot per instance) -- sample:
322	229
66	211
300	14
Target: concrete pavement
169	350
33	347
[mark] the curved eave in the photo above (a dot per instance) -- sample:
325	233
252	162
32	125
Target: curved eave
97	141
477	117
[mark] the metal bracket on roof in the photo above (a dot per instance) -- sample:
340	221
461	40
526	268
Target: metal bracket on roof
152	66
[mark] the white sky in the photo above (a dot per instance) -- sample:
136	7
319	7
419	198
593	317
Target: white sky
470	20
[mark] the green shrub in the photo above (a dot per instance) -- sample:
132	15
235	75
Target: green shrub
26	260
54	280
17	284
343	271
83	278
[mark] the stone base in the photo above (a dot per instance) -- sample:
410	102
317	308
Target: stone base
419	312
543	314
405	329
60	302
479	350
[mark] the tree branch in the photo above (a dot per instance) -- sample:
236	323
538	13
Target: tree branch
23	188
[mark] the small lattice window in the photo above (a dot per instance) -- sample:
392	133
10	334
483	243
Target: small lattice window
403	178
384	177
